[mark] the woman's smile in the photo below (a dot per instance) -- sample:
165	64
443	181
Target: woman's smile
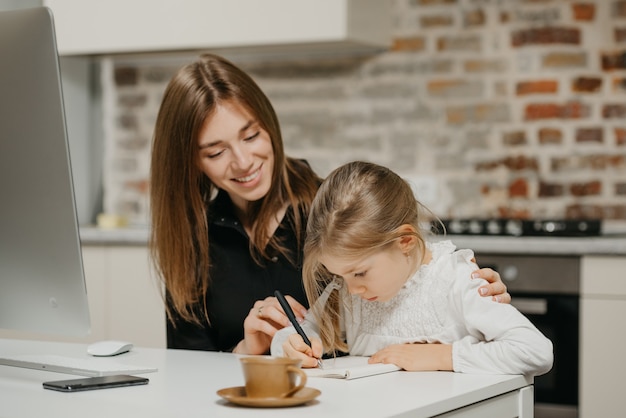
249	177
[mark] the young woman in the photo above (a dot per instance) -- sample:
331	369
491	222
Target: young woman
378	288
229	211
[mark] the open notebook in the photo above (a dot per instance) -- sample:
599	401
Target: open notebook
350	367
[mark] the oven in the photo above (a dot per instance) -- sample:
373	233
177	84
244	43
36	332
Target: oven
546	290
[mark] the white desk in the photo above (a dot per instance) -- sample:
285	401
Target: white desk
187	381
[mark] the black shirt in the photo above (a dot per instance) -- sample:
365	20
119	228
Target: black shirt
237	281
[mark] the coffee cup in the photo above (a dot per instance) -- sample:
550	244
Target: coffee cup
272	377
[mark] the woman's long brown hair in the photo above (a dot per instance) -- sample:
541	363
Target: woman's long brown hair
180	193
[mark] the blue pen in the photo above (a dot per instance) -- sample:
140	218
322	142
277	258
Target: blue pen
292	317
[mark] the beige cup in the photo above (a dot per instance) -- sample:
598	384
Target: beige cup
272	377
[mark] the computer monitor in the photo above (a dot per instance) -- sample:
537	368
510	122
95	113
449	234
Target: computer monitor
42	284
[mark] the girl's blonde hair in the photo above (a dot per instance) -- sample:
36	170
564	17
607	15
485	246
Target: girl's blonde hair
359	209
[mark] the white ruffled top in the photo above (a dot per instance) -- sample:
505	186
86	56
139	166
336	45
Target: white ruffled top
440	303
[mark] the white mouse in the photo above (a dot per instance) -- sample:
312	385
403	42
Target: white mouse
109	348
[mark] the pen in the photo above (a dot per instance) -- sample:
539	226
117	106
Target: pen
292	317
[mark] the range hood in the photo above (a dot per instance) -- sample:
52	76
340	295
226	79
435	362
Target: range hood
96	27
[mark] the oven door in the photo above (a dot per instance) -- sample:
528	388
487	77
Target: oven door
546	288
557	317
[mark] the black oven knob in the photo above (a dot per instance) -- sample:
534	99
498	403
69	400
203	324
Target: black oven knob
514	227
475	227
554	227
456	227
510	273
493	227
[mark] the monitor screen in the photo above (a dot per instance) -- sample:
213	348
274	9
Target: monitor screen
42	285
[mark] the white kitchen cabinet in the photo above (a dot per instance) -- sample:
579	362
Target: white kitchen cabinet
86	27
124	300
603	336
132	306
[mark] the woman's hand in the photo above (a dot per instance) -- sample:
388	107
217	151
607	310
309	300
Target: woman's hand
496	287
264	319
416	356
295	347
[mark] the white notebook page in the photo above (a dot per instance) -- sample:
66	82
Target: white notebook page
350	367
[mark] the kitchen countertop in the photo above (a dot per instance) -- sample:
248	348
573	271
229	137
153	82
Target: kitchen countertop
600	245
92	235
183	383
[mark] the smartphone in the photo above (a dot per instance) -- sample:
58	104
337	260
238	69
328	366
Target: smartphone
91	383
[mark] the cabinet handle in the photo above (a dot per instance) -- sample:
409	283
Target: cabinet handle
531	306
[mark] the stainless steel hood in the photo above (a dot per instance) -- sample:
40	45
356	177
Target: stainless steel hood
95	27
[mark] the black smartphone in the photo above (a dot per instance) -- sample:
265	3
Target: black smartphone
91	383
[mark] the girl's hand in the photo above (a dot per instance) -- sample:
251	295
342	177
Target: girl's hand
295	347
416	356
496	287
264	319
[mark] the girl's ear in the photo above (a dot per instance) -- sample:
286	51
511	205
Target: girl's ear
408	241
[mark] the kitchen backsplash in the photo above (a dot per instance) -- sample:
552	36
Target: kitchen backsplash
492	108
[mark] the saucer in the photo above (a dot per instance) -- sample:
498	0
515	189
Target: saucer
238	395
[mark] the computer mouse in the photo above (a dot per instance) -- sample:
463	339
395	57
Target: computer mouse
109	348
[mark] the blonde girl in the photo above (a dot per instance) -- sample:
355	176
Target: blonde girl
379	288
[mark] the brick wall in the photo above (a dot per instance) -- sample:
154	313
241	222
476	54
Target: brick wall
506	108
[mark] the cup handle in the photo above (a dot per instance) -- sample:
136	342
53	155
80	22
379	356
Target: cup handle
301	377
